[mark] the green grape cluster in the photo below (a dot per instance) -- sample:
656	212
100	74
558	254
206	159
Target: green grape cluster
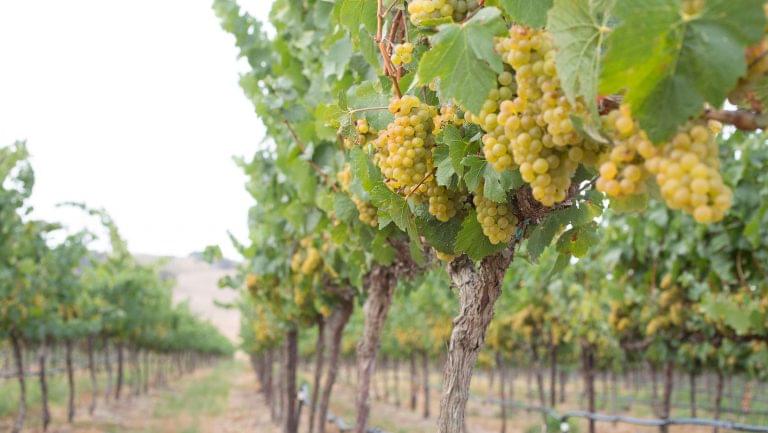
423	11
404	149
538	134
495	141
496	219
448	115
307	259
687	170
402	54
365	133
443	202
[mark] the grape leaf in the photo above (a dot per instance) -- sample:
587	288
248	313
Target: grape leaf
463	59
476	168
670	65
532	13
335	63
364	170
395	206
543	234
354	14
381	249
496	185
445	169
440	235
344	208
457	147
579	31
370	94
472	241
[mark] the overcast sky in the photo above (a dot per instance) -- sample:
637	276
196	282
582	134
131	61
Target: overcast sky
132	106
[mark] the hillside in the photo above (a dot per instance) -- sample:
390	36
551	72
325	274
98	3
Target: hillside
197	283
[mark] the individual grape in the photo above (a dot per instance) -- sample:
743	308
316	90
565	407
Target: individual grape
496	219
423	11
402	54
445	257
404	149
495	142
693	7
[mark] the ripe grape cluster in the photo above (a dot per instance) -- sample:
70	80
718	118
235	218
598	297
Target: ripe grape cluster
443	203
686	168
496	219
307	259
531	128
423	11
402	54
404	149
448	114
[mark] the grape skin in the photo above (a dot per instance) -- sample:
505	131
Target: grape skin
421	11
496	219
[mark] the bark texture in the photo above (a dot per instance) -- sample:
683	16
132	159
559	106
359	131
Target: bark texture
292	355
70	381
479	288
337	322
18	424
382	282
319	359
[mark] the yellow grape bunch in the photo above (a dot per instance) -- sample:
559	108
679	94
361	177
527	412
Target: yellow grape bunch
402	54
530	128
404	149
307	259
496	219
423	11
686	168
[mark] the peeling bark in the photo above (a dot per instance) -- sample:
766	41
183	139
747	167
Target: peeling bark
381	287
479	288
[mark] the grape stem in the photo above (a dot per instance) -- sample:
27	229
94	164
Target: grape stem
389	69
358	110
418	185
741	119
312	164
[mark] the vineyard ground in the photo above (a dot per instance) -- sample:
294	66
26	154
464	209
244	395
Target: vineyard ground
226	399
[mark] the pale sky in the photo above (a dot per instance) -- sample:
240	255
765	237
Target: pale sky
133	106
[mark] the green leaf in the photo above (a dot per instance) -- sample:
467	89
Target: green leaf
382	251
364	169
344	208
471	240
543	234
335	63
670	65
579	29
476	169
440	235
753	226
578	240
445	170
496	185
463	59
395	206
457	147
532	13
354	14
369	95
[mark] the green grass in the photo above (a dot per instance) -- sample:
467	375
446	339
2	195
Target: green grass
206	396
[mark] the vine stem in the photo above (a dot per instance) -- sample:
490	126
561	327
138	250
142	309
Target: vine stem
389	69
418	185
741	119
358	110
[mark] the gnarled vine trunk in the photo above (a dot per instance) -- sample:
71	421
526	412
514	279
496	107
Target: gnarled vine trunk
381	286
108	368
479	288
692	392
337	322
718	397
414	382
666	404
588	365
70	380
425	378
18	425
92	375
119	386
319	359
292	355
42	357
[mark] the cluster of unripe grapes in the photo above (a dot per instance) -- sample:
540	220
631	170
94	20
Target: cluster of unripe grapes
686	168
364	133
496	219
423	11
367	212
402	54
